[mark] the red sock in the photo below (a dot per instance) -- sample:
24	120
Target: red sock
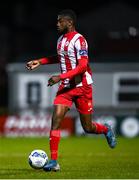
100	128
54	142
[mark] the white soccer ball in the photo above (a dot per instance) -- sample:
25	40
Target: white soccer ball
38	158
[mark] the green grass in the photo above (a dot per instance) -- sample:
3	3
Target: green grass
79	158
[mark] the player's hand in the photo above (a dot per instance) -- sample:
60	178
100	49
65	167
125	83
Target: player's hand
32	64
53	80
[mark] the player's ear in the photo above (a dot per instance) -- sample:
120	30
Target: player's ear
70	22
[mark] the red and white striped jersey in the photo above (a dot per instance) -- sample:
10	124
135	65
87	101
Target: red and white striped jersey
72	47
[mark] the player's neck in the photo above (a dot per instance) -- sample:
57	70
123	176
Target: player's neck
72	29
70	33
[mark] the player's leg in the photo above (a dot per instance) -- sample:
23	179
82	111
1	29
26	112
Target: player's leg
84	105
58	115
62	103
93	127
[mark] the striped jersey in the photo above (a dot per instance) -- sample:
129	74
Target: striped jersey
72	47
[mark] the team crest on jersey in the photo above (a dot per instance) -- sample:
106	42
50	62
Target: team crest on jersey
83	52
83	45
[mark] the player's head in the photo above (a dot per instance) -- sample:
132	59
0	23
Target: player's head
66	21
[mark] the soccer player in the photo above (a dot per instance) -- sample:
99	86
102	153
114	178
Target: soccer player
75	84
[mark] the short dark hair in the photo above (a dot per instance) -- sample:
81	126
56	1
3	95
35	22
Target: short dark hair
69	13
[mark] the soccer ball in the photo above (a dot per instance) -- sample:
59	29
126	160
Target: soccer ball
37	159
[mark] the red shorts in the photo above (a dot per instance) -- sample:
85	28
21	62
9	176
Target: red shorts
81	96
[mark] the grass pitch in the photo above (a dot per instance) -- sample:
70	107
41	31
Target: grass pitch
79	158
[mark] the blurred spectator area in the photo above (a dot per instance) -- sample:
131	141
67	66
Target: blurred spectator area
28	28
28	31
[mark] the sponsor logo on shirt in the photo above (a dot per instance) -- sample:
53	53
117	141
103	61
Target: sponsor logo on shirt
83	52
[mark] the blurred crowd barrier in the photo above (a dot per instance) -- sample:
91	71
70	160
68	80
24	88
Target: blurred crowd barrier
31	125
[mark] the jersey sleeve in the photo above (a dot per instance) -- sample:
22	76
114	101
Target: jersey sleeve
81	68
49	60
81	48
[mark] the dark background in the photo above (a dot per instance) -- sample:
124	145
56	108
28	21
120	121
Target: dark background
28	31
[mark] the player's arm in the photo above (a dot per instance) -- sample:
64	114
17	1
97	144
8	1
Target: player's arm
80	68
37	62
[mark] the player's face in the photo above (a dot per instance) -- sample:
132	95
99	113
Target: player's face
63	24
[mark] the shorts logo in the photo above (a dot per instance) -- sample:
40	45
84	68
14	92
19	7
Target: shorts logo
83	52
90	106
90	109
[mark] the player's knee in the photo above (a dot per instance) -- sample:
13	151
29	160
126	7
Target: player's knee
89	129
